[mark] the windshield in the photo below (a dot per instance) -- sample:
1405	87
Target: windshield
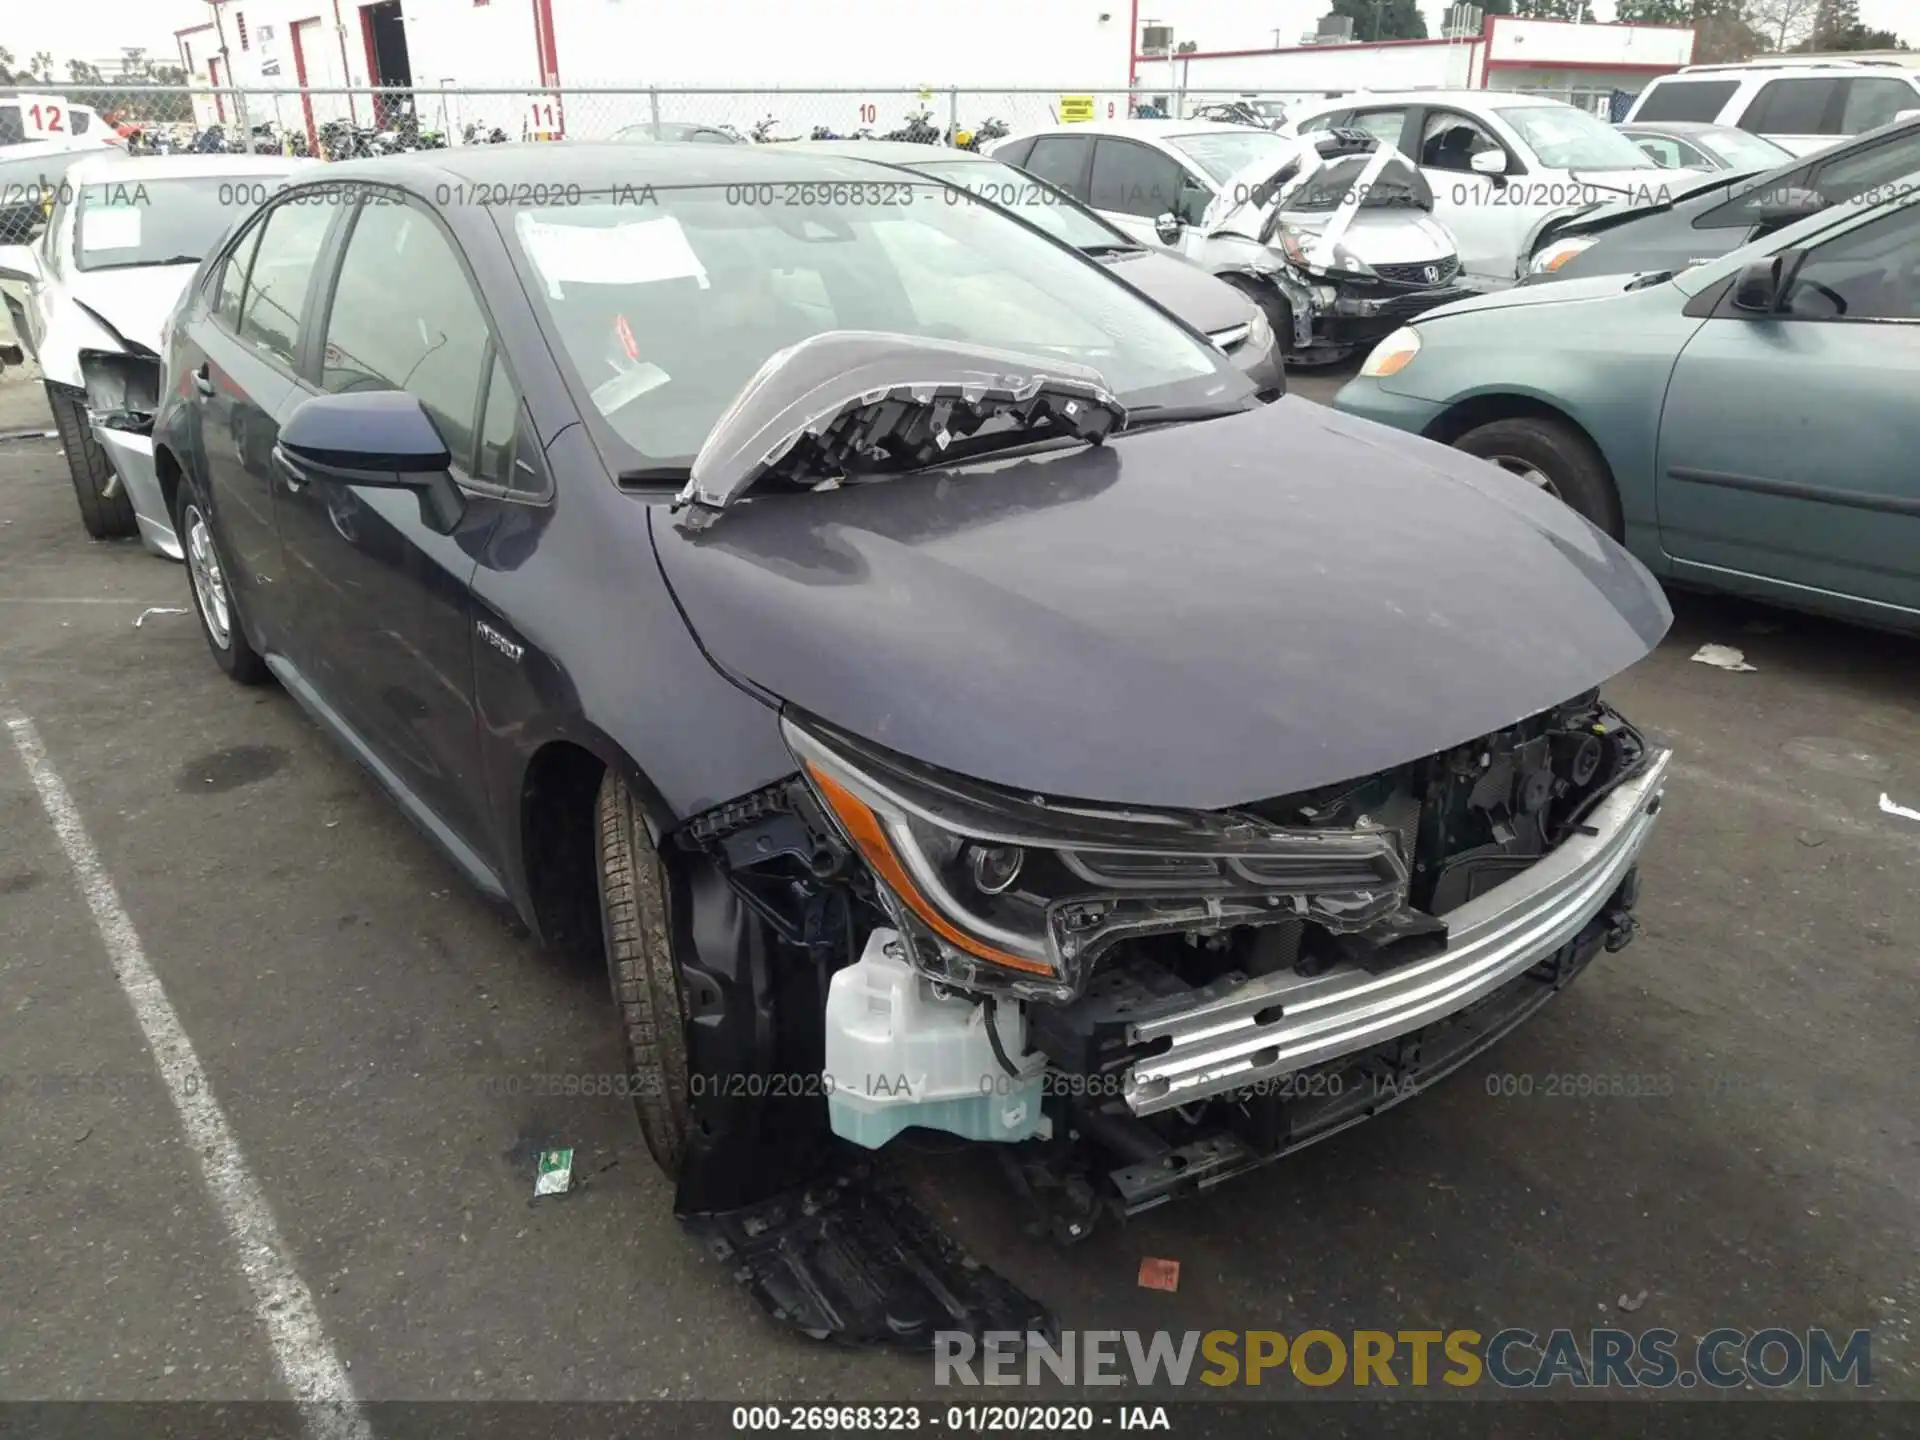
1035	202
1221	153
1742	151
162	222
666	309
1568	139
1398	183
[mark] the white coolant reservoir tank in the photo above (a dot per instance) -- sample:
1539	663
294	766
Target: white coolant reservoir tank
900	1055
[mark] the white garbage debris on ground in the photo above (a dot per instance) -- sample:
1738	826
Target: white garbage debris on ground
1723	657
1886	804
140	619
555	1176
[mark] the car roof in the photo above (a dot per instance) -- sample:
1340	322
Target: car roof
600	165
1678	127
891	152
1149	129
1486	99
111	167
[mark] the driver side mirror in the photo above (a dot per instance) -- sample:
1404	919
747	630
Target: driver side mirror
19	263
1169	227
1489	162
380	439
1757	291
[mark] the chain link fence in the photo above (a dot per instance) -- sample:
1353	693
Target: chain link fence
335	123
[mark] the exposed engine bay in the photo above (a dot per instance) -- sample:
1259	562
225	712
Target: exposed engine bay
1134	1005
123	390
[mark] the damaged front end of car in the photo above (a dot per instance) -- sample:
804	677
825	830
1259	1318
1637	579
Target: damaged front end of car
1343	238
122	399
1130	1004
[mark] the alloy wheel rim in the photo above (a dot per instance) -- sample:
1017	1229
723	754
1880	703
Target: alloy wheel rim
209	583
1528	471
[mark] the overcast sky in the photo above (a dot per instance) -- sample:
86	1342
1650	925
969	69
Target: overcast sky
96	29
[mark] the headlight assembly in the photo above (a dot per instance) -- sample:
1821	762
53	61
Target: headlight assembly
1003	892
1550	259
1305	251
1393	354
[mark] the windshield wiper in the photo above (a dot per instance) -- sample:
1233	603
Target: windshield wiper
143	264
1147	417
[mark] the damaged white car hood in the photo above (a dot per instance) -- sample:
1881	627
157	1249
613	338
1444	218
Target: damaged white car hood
135	301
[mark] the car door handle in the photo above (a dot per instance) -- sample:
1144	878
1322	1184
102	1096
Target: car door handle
203	379
296	479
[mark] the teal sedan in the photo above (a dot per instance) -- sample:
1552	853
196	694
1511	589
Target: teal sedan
1751	424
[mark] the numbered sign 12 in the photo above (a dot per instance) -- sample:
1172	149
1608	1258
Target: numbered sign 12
44	116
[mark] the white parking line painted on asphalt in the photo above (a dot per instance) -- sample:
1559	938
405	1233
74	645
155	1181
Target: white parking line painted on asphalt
307	1363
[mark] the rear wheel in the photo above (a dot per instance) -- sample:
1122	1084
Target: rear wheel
213	598
1552	456
646	982
106	516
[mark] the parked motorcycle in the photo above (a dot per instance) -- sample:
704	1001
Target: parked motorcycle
476	134
919	129
986	134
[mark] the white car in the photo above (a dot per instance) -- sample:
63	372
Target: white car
88	300
1801	105
46	124
1501	164
1333	235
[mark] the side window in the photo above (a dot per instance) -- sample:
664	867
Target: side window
1320	122
79	120
1686	99
1062	160
499	428
1386	126
1873	103
1880	163
284	259
1016	153
405	318
1663	152
1132	179
1794	107
13	130
1865	274
233	279
1450	140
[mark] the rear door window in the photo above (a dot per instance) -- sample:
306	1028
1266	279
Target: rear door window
1795	107
1386	126
1015	153
282	274
1686	99
1062	160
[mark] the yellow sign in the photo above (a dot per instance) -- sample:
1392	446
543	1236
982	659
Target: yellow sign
1075	108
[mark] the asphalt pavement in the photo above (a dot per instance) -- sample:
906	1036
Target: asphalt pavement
372	1036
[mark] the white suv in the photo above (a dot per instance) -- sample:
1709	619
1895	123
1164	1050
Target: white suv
1803	105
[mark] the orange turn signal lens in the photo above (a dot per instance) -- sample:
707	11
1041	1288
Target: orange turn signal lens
869	836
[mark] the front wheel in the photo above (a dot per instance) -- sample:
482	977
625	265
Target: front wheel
105	508
640	965
1552	456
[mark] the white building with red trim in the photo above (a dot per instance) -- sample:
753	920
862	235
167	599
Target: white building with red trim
537	55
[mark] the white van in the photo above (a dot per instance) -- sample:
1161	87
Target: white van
1802	105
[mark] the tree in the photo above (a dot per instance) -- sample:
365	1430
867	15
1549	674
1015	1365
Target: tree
40	67
1654	12
1581	10
7	77
1782	24
81	73
1383	19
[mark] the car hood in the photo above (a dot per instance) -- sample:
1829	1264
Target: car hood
1204	302
134	301
1641	186
1198	616
1548	292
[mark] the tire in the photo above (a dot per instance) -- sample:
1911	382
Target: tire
1278	308
228	642
1555	456
645	980
107	517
